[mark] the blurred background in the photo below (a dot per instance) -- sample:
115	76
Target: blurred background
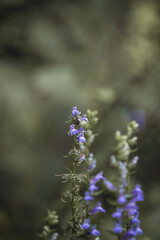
54	55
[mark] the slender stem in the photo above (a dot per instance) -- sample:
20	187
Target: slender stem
128	182
73	201
119	237
88	183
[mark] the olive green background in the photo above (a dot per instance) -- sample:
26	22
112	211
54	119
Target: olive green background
97	54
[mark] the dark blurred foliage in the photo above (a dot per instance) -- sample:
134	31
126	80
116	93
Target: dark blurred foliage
101	55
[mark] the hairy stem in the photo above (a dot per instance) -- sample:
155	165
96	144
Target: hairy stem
128	176
73	201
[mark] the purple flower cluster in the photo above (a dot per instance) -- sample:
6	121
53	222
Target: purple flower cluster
89	196
93	187
127	224
74	131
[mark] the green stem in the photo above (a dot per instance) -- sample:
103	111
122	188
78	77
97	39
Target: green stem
88	183
127	183
73	201
119	237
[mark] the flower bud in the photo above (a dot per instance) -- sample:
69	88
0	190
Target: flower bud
114	161
83	124
133	141
118	135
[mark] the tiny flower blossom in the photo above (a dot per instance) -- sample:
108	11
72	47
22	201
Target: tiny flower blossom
86	224
81	138
134	161
118	228
75	112
139	231
98	177
131	204
88	197
84	118
114	160
130	233
81	130
118	213
92	187
54	236
97	209
122	199
73	130
123	169
94	231
109	185
90	135
138	193
93	165
82	158
131	212
90	158
135	220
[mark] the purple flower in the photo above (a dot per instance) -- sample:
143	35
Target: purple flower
98	177
130	233
122	199
118	228
135	220
86	224
94	231
81	130
97	209
84	118
92	187
82	158
93	165
88	197
109	185
73	130
118	213
139	231
131	205
75	112
138	193
132	212
81	138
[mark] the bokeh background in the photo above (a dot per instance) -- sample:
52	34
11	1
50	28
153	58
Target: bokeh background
97	54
